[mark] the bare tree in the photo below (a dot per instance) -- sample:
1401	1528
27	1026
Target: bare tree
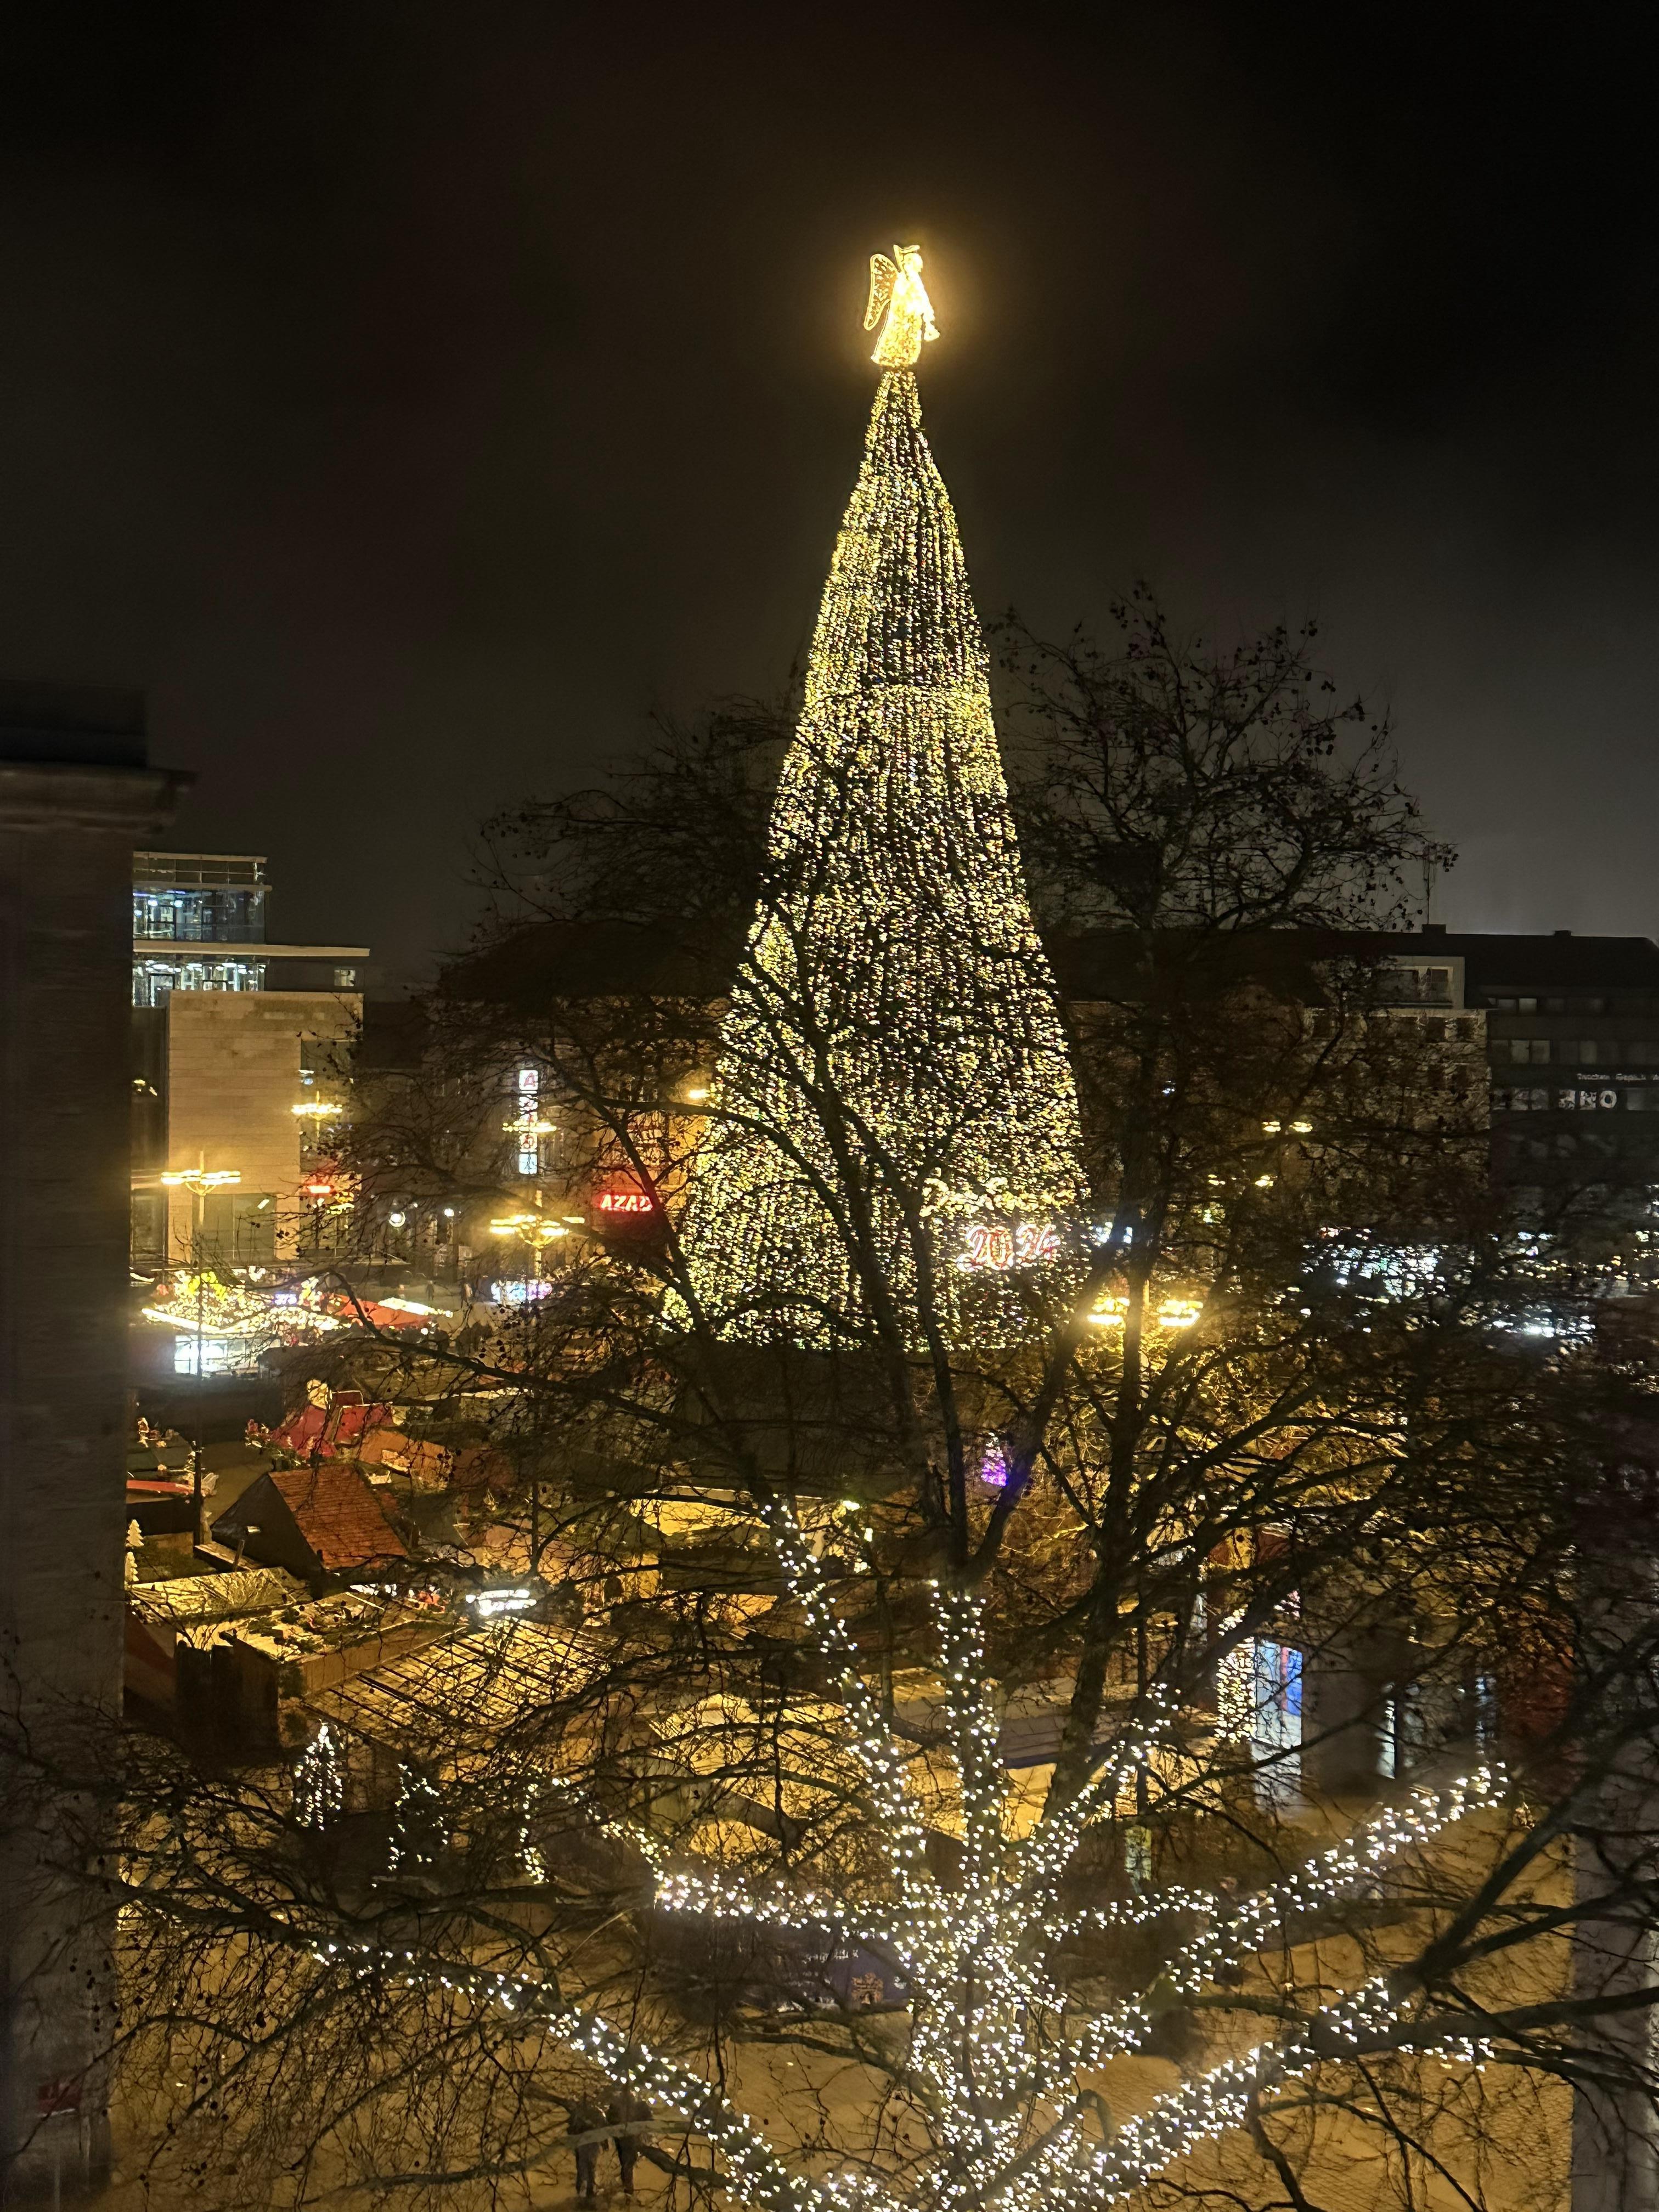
957	1748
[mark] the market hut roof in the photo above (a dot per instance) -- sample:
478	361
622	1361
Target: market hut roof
324	1518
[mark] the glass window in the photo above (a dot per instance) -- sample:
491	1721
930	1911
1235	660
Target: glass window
239	1228
1276	1733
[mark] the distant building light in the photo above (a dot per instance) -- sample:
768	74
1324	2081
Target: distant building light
490	1604
1179	1313
212	1355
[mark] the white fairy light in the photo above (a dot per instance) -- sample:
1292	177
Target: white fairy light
416	1821
318	1781
893	966
988	2033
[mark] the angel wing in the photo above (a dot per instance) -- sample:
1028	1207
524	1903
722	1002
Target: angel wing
883	274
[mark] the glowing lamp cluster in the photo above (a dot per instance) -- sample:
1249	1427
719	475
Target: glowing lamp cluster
1112	1312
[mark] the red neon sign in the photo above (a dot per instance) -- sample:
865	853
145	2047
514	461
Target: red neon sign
625	1201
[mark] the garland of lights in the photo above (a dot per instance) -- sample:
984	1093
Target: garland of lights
317	1781
417	1824
893	1080
990	2039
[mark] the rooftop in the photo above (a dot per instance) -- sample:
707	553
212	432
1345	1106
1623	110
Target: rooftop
339	1513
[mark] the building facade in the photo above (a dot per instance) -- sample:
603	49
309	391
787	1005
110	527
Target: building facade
76	794
1572	1046
237	1051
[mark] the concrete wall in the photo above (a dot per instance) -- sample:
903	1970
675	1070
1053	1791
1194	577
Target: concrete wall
66	840
233	1063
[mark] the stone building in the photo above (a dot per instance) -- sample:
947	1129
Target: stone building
237	1042
76	795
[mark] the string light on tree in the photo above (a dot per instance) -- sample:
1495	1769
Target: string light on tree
997	2059
417	1824
893	1077
318	1781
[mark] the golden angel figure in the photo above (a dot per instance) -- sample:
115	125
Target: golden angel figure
897	292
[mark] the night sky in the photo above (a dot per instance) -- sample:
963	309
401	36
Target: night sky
410	397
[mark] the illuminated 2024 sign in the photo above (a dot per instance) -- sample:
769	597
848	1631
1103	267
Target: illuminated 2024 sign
625	1201
1008	1244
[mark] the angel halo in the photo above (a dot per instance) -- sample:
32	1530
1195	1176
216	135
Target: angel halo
897	292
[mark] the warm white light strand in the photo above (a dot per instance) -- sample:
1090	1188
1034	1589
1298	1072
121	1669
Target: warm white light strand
893	1077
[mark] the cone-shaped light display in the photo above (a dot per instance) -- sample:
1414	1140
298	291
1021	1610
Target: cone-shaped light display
894	1123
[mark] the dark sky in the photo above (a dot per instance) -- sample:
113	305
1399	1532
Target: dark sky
411	396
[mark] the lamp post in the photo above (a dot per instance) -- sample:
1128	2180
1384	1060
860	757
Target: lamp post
198	1182
314	1114
535	1230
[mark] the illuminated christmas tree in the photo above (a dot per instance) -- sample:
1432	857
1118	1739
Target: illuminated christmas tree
893	1094
985	2090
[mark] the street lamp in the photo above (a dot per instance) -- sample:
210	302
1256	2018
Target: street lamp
535	1229
198	1182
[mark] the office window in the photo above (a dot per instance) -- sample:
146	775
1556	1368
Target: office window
149	1228
239	1228
154	981
1276	1730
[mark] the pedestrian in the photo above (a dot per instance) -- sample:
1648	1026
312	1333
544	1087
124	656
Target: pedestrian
586	2120
626	2106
